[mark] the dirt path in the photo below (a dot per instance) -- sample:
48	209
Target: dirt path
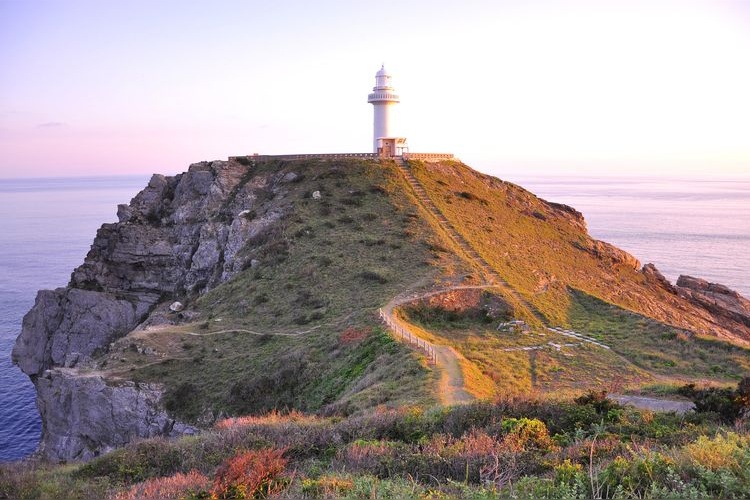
653	404
452	388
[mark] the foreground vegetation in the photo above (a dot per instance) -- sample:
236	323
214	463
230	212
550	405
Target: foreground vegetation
587	448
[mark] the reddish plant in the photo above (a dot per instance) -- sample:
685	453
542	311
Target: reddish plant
177	486
271	418
251	474
351	335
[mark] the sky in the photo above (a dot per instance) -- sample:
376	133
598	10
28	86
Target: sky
565	87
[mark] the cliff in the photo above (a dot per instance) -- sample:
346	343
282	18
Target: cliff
173	240
279	268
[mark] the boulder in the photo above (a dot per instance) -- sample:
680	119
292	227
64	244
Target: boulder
652	273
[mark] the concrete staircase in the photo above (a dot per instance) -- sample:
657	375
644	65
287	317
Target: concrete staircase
489	274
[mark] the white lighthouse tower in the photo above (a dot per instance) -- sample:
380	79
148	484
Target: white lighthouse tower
384	100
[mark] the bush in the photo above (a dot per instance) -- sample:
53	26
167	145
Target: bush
144	460
637	477
192	484
724	451
599	401
252	474
327	486
722	401
373	276
182	401
527	433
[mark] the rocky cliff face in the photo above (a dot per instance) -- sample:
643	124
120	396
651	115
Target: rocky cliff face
84	415
179	237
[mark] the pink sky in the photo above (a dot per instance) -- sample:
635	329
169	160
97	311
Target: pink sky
579	86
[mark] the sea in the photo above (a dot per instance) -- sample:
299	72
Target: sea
683	226
46	228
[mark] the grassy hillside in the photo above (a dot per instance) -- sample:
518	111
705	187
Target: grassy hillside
299	328
542	249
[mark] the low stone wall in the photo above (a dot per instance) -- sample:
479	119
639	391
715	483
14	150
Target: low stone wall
331	156
428	156
325	156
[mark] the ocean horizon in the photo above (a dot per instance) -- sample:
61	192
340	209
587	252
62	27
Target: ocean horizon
687	226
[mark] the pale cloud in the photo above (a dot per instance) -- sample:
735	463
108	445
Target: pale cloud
52	125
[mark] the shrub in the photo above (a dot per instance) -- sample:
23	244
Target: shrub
252	474
327	486
375	457
373	276
352	334
273	417
192	484
599	401
729	404
527	433
181	401
466	195
724	451
636	477
569	473
147	459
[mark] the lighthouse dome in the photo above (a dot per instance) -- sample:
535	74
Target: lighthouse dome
382	79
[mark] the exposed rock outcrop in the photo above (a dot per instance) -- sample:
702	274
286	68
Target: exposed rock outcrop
653	274
716	298
178	238
67	325
85	416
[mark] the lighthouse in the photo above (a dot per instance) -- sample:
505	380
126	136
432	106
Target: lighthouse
384	100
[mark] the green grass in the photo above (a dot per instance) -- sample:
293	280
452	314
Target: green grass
325	267
654	346
331	262
646	352
544	371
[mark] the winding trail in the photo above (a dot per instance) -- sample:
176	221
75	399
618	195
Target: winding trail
453	388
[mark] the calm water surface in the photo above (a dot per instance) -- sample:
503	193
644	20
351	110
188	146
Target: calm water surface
46	228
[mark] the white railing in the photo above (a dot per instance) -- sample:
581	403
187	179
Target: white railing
412	339
382	96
